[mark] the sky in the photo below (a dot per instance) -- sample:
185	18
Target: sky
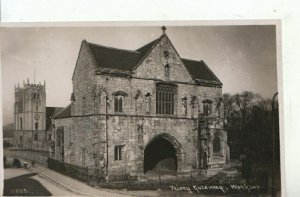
242	57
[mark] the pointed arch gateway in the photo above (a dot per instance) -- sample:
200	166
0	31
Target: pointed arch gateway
163	152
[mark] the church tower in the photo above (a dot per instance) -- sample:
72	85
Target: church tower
30	113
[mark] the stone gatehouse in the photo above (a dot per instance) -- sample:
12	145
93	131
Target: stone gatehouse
142	110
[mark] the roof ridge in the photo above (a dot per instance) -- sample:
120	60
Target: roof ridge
149	50
55	107
192	60
153	41
114	48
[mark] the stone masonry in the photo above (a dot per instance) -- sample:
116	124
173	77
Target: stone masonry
91	133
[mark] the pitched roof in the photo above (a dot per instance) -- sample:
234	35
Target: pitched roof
66	112
200	70
120	59
128	60
50	113
146	48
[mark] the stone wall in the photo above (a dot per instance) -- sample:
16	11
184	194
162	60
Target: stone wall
29	156
153	66
94	128
107	85
85	144
83	82
28	139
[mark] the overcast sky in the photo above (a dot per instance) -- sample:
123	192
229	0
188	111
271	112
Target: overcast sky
243	57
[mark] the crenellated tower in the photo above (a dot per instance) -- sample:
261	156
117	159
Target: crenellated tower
30	107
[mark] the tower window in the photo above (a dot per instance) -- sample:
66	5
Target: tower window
36	126
118	153
165	98
119	103
21	123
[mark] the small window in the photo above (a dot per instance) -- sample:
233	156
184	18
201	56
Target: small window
34	95
119	103
37	96
167	70
35	137
21	138
83	157
36	126
36	108
166	54
83	105
50	137
207	107
118	153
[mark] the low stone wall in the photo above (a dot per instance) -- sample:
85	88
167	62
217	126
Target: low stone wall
39	157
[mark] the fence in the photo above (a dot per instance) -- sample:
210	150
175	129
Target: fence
84	174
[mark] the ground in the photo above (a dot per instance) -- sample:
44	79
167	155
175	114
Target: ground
41	181
20	181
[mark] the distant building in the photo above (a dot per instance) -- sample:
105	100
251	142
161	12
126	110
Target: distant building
8	135
32	119
142	110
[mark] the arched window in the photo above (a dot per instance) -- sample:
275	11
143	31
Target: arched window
36	126
119	100
119	103
21	138
165	98
217	143
207	107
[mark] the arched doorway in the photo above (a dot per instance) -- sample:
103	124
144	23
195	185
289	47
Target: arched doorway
161	153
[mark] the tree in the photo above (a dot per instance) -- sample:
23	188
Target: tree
248	120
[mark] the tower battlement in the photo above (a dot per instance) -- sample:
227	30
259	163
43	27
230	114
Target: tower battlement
27	86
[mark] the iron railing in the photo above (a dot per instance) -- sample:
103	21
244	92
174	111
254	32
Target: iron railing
84	174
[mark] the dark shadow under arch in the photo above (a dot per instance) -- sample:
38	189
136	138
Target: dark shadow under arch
161	153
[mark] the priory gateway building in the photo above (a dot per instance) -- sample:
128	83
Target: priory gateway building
141	110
